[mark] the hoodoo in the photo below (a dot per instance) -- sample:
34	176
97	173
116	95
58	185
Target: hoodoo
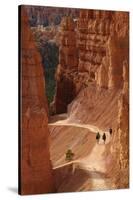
90	109
36	170
100	81
68	64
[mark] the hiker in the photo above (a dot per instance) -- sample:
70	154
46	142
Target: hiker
98	137
110	131
104	137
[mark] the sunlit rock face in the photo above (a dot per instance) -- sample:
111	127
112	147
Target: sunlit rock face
83	56
120	146
118	45
68	63
92	52
36	170
94	31
120	78
45	16
99	81
91	86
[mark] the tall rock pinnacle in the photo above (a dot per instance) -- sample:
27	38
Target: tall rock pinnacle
36	170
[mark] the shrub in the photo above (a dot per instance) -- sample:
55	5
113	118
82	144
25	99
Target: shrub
69	155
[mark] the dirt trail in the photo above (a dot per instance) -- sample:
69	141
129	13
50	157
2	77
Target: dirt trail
92	128
95	163
95	166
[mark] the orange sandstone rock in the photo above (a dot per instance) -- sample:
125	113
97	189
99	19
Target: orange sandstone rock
35	165
68	62
91	55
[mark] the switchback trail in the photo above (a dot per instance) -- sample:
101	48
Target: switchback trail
91	128
95	163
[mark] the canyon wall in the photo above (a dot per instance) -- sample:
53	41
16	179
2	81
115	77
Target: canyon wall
99	81
45	16
93	55
118	49
120	145
83	56
68	64
91	86
123	131
35	165
93	34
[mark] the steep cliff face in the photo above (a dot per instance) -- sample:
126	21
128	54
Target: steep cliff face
102	46
68	64
40	15
123	122
119	77
120	146
94	31
84	56
118	45
100	82
36	170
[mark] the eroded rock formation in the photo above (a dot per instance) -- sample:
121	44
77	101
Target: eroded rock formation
97	55
119	77
68	63
118	49
120	148
100	81
91	86
94	31
45	16
36	170
84	57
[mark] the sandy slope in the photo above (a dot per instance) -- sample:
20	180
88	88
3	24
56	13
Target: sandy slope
92	128
93	110
88	170
98	107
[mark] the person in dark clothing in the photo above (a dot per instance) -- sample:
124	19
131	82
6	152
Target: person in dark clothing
110	131
98	137
104	137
